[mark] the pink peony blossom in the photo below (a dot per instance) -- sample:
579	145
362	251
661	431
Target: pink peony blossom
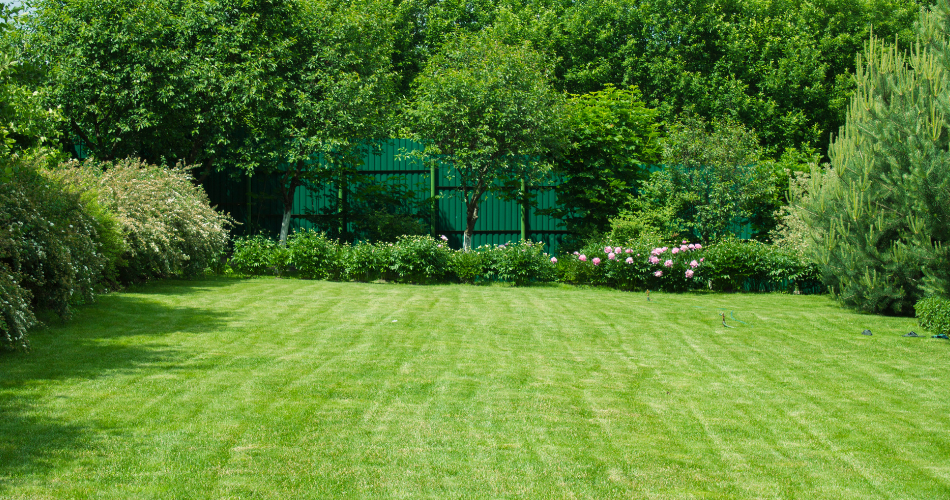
583	258
611	256
596	261
658	274
629	250
684	241
608	249
576	253
629	260
668	263
444	238
692	246
676	250
699	247
654	259
689	273
683	248
554	260
702	259
440	245
694	264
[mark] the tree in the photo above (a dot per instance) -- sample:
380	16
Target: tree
319	92
153	79
25	123
715	177
611	134
880	215
487	110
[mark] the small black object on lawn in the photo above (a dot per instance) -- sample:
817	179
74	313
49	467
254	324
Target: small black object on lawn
941	336
866	332
912	334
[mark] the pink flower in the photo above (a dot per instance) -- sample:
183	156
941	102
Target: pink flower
699	247
583	258
440	246
658	274
554	260
629	260
596	261
683	248
692	246
684	241
608	249
689	273
629	250
654	259
611	256
694	264
444	238
702	259
668	263
576	253
676	250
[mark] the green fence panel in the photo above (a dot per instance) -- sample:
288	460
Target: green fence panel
254	201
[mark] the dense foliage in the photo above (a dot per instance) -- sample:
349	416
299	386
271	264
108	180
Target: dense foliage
611	135
933	313
880	215
168	226
487	110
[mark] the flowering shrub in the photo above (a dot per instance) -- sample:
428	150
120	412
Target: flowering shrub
48	243
170	229
637	265
420	259
520	263
16	313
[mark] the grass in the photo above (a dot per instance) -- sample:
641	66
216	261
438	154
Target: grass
272	388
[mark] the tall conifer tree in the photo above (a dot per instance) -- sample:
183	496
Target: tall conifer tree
881	213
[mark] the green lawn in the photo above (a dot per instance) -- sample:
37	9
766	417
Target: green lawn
291	389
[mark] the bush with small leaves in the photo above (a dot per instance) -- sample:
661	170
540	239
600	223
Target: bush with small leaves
253	255
420	259
170	229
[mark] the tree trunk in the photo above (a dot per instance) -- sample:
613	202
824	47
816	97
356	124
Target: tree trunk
285	224
470	219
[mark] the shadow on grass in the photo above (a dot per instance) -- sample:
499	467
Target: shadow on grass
121	333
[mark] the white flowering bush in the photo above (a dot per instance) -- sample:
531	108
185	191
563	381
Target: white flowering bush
49	253
169	227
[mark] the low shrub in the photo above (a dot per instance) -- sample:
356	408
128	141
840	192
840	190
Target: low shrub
367	262
167	223
420	259
637	265
735	264
467	266
520	262
933	313
315	256
254	255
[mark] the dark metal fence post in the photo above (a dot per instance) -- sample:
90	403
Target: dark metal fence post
524	210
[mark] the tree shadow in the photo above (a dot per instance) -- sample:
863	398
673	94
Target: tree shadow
119	333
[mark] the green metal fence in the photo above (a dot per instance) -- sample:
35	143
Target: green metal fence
253	201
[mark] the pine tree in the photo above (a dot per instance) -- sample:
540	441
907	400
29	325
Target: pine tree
880	214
